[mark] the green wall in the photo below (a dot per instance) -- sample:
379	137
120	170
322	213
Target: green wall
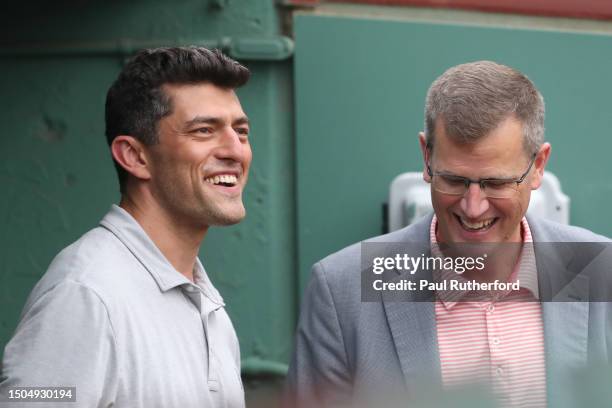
57	178
359	81
360	90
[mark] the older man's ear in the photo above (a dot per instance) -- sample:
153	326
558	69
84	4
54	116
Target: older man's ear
540	164
425	152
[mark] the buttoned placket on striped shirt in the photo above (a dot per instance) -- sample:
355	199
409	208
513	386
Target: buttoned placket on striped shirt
501	342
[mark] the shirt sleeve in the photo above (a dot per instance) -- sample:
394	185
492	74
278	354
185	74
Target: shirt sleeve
64	339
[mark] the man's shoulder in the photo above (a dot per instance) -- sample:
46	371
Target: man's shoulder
92	261
95	249
347	261
550	231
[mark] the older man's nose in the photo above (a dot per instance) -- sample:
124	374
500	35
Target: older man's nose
474	202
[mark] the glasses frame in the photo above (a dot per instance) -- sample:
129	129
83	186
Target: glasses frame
482	182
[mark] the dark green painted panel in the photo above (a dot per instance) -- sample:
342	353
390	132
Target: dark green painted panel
39	21
58	181
57	178
360	90
56	172
253	263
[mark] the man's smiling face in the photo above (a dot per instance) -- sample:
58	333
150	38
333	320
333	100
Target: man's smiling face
200	165
474	217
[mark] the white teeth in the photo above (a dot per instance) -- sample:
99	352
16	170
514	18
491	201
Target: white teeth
223	178
477	225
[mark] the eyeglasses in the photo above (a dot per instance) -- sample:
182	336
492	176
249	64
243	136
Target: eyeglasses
492	187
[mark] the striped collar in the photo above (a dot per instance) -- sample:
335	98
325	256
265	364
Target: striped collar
525	271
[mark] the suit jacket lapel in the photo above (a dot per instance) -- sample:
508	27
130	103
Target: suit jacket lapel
565	313
412	323
413	329
564	293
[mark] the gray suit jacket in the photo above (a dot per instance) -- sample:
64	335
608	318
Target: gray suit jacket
346	347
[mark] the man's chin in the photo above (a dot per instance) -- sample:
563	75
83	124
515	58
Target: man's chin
226	222
225	217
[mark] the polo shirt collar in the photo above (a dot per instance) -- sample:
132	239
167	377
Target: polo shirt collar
525	272
121	224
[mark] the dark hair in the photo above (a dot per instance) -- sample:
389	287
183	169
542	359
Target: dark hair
136	102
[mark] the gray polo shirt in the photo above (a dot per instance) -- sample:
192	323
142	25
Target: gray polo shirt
114	319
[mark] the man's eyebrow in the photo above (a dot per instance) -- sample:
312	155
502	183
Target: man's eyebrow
198	120
213	120
243	120
496	177
499	176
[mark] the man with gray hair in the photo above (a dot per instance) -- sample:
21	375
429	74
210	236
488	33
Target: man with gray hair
483	153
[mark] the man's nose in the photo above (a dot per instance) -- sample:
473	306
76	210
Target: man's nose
231	146
474	202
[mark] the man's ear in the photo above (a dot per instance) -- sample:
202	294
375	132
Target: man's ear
426	158
540	164
130	153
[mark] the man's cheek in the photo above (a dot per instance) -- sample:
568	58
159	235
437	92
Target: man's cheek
520	204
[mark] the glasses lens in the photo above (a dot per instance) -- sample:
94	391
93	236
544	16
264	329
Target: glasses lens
500	188
449	184
457	186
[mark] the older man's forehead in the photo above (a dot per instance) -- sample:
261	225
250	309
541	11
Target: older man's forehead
499	155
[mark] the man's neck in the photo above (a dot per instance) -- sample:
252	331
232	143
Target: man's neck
178	241
501	262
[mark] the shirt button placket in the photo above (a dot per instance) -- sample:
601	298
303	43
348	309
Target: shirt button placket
494	341
213	378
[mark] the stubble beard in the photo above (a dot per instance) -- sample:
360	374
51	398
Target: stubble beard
199	210
196	205
205	208
218	214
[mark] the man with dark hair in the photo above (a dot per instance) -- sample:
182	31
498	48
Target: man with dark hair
483	153
127	315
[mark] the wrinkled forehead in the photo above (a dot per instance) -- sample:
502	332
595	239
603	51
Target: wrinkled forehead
510	126
498	154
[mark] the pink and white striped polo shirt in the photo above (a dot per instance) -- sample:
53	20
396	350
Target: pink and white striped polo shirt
500	343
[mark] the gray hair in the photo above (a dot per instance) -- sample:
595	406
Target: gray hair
474	98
